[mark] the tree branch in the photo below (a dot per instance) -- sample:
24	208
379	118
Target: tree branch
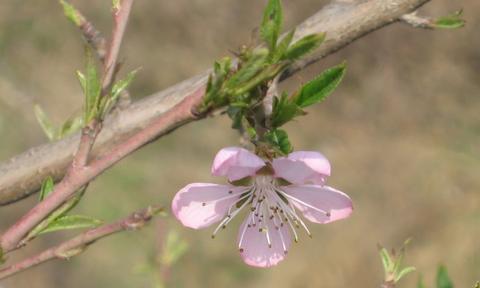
79	243
343	21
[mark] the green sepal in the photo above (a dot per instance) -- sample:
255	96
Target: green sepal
319	88
69	222
46	188
452	21
271	24
443	280
45	122
284	110
303	46
278	138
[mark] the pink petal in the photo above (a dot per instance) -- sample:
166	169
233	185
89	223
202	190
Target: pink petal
302	167
236	163
254	247
319	204
199	205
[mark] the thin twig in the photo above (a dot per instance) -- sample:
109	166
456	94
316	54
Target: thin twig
418	21
79	243
79	174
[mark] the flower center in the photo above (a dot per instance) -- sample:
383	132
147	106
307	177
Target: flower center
271	213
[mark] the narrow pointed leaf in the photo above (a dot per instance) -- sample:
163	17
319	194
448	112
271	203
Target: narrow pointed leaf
284	110
46	124
47	188
282	46
319	88
123	84
303	46
443	280
386	260
92	87
403	273
71	126
272	23
452	21
72	13
70	222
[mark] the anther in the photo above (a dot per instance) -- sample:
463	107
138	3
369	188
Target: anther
204	204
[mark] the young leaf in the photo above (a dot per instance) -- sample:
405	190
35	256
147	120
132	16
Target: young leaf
70	222
70	126
116	4
46	189
45	123
404	272
72	13
174	249
254	65
443	280
303	46
284	110
386	260
319	88
92	87
272	23
420	283
283	46
279	139
122	84
451	21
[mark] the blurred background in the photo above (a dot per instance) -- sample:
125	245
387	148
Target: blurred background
402	133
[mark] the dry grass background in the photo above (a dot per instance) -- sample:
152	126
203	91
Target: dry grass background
402	133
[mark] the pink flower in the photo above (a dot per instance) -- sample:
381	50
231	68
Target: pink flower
278	190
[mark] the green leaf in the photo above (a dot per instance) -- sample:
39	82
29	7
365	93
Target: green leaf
214	95
106	104
70	126
420	283
252	67
283	46
70	222
452	21
46	189
404	272
92	87
386	260
72	13
123	84
284	110
319	88
443	280
272	23
46	124
477	285
279	140
303	46
61	211
174	249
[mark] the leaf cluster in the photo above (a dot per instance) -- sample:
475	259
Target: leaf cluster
393	264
